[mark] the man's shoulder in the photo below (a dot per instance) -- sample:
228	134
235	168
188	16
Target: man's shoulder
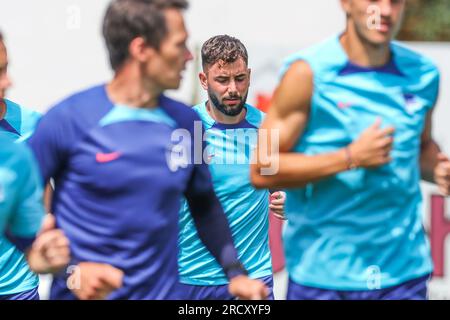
85	105
320	57
201	110
87	98
254	115
173	103
13	152
410	59
183	115
16	107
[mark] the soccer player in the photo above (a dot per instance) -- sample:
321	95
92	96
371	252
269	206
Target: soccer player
354	118
118	181
231	129
21	207
15	121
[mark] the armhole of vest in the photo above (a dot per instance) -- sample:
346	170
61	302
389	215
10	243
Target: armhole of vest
438	91
315	81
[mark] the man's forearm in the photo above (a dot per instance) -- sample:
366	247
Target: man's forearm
428	160
297	170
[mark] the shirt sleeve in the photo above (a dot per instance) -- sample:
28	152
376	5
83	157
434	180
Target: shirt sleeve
26	219
51	142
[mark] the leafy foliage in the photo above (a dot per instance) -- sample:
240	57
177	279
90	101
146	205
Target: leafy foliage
426	20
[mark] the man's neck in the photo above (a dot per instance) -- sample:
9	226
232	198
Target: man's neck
363	53
129	88
222	118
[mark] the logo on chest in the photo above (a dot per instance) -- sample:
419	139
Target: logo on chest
7	177
107	157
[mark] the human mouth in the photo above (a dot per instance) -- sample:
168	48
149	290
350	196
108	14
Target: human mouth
232	101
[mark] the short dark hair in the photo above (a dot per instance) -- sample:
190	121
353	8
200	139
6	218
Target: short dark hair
126	20
223	48
1	36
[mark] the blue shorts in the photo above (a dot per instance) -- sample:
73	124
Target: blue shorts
26	295
194	292
415	289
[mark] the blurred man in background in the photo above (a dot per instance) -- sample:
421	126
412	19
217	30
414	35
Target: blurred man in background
354	116
21	206
231	129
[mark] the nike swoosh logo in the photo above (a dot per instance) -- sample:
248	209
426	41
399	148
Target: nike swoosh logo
344	105
107	157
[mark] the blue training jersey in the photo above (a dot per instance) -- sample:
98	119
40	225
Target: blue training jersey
21	214
361	229
117	190
18	123
228	152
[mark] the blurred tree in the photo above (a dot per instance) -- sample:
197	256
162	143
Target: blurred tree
426	20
